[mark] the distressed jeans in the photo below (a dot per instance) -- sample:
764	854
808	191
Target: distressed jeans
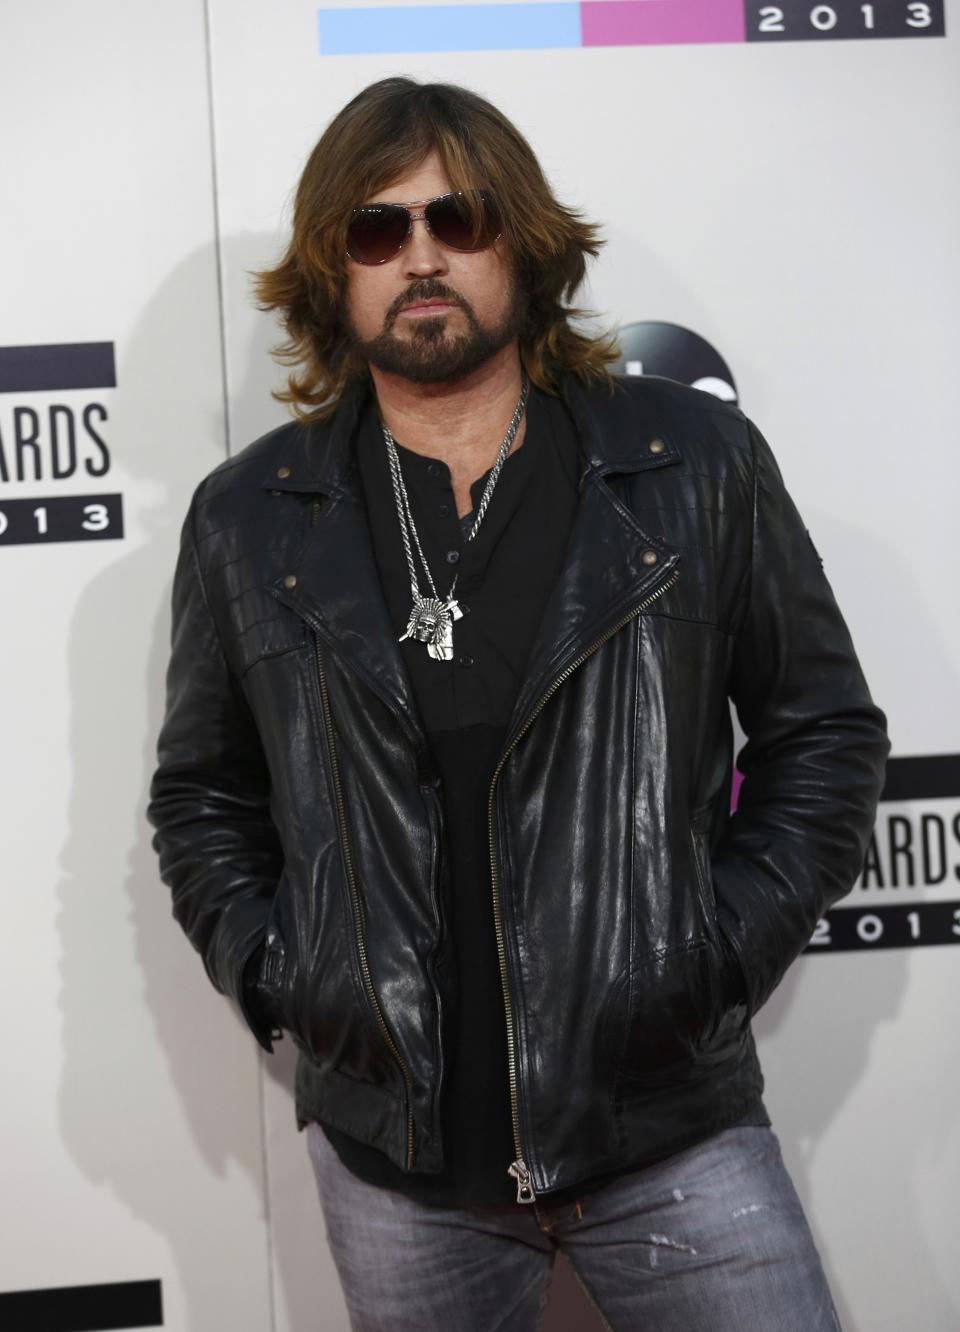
712	1239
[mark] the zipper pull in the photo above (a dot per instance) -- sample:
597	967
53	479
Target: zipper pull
521	1174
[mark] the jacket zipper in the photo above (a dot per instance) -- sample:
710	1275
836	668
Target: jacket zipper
355	898
518	1169
435	867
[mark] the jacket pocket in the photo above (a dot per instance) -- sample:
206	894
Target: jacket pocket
674	1004
728	985
659	1013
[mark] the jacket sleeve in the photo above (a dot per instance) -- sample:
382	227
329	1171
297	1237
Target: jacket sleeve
218	847
813	764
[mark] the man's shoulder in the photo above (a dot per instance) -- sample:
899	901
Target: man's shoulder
250	466
641	404
239	490
638	422
301	457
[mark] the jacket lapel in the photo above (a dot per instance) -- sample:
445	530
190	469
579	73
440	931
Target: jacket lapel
611	565
333	582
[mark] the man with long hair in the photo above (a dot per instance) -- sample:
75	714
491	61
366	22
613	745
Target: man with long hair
443	785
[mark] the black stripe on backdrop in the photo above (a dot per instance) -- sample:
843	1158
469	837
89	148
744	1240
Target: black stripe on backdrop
64	365
933	777
117	1304
869	929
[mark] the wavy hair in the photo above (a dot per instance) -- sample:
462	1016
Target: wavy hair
385	130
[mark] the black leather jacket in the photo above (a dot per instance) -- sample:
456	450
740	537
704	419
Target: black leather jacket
639	925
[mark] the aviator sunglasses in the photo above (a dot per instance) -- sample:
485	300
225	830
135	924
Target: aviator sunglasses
378	231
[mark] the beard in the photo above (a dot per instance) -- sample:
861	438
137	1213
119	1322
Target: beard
429	354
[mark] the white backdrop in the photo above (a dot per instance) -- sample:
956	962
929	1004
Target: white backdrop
794	202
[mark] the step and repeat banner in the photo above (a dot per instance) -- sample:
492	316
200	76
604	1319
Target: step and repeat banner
779	190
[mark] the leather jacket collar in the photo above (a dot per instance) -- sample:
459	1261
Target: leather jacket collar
318	457
611	564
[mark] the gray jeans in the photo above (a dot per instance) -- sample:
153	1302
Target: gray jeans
713	1239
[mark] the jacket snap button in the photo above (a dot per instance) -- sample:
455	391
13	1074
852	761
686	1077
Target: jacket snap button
275	492
283	471
290	580
656	446
649	557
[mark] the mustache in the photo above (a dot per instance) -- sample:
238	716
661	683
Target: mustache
424	289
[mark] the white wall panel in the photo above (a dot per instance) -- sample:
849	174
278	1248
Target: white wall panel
130	1111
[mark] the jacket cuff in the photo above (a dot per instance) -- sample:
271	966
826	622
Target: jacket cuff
254	1003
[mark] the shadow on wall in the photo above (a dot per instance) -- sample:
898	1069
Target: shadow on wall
120	1132
126	1111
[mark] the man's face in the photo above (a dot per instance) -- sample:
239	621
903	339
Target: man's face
430	313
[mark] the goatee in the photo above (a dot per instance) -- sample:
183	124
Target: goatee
429	354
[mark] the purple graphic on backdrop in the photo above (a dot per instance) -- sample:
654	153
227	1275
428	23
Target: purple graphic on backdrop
660	22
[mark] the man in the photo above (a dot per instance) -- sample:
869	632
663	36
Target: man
444	780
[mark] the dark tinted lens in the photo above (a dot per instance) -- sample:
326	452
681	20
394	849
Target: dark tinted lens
376	232
455	223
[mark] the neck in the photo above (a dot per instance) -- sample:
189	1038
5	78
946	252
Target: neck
463	422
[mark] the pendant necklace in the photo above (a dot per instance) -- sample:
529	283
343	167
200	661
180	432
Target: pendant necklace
431	617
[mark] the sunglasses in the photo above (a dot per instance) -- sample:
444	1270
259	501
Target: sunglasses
378	231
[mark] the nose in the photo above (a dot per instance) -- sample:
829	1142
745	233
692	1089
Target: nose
423	255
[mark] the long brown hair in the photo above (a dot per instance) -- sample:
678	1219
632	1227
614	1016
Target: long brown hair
386	129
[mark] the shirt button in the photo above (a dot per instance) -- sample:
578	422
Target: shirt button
466	660
443	510
433	469
453	556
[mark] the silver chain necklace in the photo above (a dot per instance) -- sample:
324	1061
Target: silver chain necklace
431	618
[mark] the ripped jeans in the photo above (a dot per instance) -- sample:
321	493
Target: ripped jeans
712	1239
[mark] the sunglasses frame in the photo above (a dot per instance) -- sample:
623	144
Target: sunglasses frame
423	205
